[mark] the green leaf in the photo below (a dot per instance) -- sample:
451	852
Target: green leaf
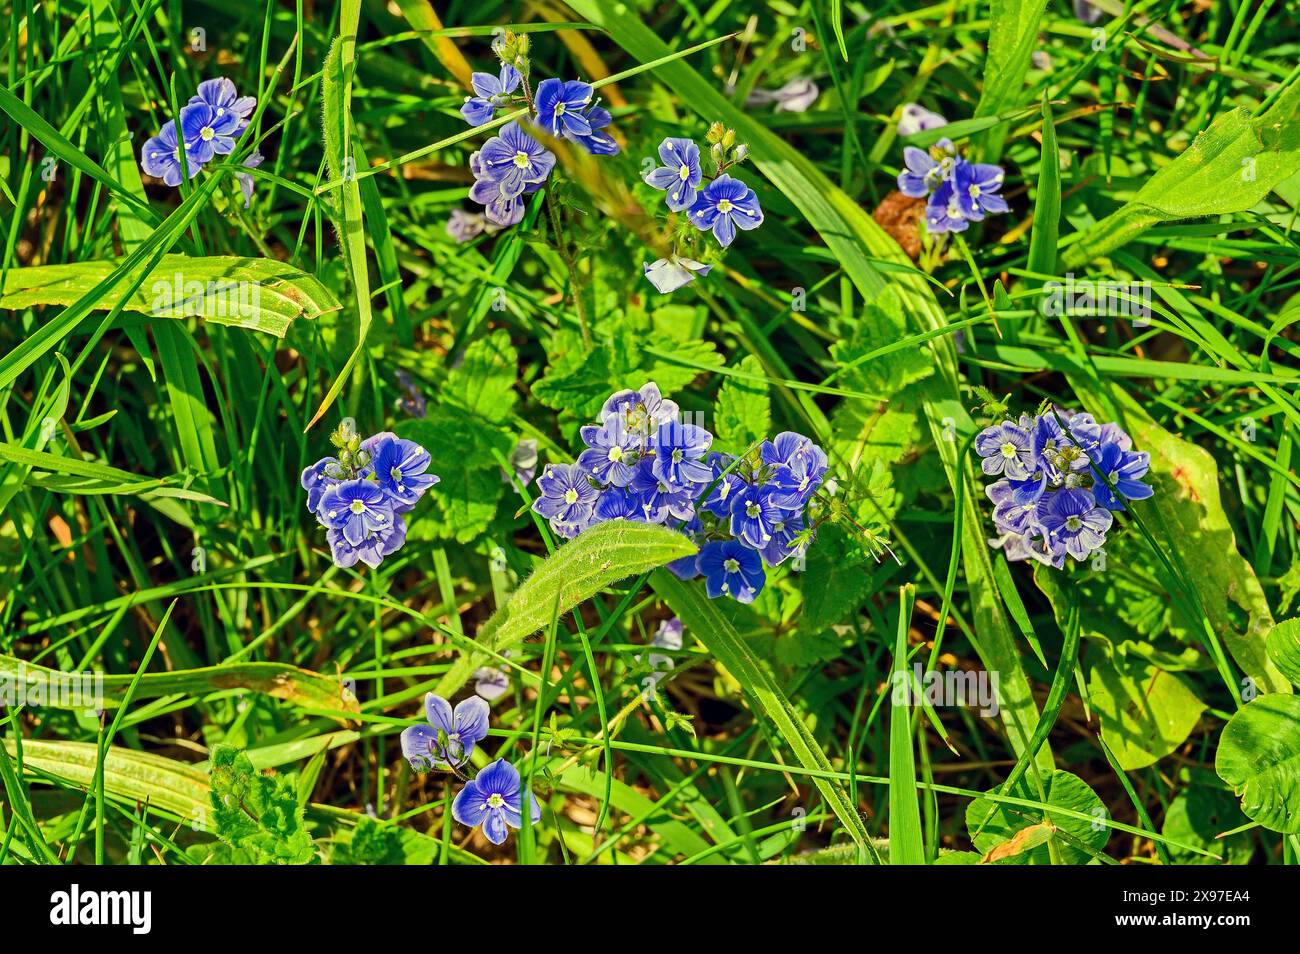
1259	758
484	382
1047	202
259	294
1145	712
1013	37
836	580
715	631
577	571
257	816
1283	642
994	824
905	843
1228	168
744	410
462	451
1200	814
74	476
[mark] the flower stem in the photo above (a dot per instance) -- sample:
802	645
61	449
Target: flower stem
570	262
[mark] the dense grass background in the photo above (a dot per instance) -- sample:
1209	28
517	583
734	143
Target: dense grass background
153	523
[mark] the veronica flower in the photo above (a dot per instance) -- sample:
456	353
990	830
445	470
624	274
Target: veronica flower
1005	448
794	97
726	204
916	118
207	133
356	508
611	450
784	540
254	160
754	515
658	500
560	106
797	467
501	210
161	157
679	176
450	736
1071	517
465	226
371	550
679	454
925	170
225	101
732	568
316	480
493	799
400	467
975	186
618	503
491	683
669	274
724	486
943	212
642	411
567	496
597	142
493	91
514	159
1123	469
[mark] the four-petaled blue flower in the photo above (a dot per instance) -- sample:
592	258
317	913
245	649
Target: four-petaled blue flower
357	508
679	454
161	157
208	133
493	91
729	567
754	515
567	499
726	204
493	799
611	452
1005	448
560	106
975	186
1124	470
680	175
1072	518
400	468
449	737
225	100
514	159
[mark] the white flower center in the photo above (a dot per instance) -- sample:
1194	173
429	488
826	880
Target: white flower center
974	191
570	496
684	172
495	801
725	205
1008	450
752	509
731	565
616	453
206	133
522	160
357	506
1073	523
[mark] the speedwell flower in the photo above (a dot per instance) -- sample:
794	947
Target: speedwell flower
679	176
493	799
726	204
450	736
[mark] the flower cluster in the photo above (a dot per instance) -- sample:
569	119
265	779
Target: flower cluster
513	164
210	125
362	496
494	797
960	192
643	463
1062	475
721	206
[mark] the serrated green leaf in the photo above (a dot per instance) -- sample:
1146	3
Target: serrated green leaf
744	410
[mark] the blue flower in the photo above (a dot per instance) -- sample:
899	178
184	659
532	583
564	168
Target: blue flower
732	568
659	500
161	157
1060	451
618	503
254	160
784	541
357	508
1124	469
611	452
726	204
943	212
642	412
797	466
925	171
316	480
400	469
975	186
493	91
754	515
669	274
493	799
685	568
225	101
567	499
724	486
208	133
450	737
560	107
514	160
680	174
597	143
465	226
371	550
502	210
1071	517
917	118
679	454
1005	448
